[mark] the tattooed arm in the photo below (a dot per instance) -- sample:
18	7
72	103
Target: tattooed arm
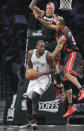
45	23
33	4
35	9
60	44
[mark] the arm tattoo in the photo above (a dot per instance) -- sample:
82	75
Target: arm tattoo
59	46
33	3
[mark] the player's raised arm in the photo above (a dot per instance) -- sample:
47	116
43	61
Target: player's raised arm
35	9
33	4
45	23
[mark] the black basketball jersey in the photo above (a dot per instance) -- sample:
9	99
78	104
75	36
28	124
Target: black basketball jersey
48	34
70	42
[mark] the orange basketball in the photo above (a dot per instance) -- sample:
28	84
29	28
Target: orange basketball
31	74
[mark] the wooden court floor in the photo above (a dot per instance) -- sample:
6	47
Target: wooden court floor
45	128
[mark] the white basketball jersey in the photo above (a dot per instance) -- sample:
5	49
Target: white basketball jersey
40	64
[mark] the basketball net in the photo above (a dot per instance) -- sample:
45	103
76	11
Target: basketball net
65	4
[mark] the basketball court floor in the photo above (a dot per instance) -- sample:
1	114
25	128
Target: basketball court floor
45	128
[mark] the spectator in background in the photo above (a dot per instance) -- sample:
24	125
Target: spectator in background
5	16
81	73
82	49
20	42
80	79
17	68
7	61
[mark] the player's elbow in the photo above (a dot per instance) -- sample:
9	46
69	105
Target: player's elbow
31	7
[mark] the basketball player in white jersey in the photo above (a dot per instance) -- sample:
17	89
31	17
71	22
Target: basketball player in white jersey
41	60
48	36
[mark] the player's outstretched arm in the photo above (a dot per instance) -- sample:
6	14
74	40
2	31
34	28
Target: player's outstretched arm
60	44
45	23
33	4
35	9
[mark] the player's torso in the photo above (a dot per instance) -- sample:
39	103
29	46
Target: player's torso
40	64
48	34
70	42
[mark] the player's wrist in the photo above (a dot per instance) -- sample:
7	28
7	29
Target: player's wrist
33	3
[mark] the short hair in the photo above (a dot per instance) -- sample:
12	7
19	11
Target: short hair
40	41
61	21
49	3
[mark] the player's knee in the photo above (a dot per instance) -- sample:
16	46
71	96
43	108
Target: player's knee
35	100
35	97
67	85
65	75
29	106
69	92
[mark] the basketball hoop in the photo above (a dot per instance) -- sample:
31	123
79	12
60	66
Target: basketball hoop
65	4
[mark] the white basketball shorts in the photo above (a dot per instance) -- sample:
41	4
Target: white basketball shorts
39	86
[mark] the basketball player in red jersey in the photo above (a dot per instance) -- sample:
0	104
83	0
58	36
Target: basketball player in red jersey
65	40
48	35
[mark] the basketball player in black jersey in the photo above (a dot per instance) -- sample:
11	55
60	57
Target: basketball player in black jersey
65	40
48	35
49	16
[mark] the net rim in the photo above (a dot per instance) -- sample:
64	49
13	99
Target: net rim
65	5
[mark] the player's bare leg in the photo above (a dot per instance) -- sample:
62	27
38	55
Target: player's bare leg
74	80
68	89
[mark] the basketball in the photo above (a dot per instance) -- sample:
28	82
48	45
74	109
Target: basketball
31	74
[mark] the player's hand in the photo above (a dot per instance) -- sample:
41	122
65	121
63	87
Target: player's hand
39	74
35	75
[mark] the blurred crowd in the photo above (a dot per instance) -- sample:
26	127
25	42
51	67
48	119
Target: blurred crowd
15	19
13	26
